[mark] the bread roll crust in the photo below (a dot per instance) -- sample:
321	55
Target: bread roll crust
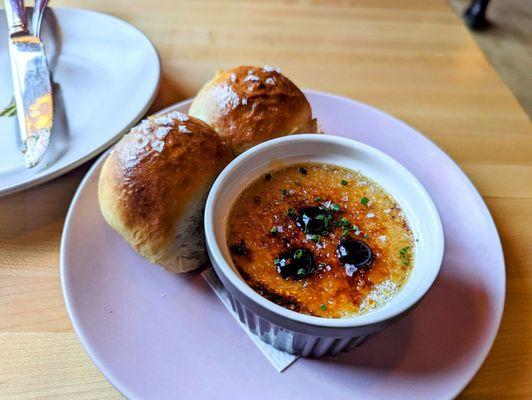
249	105
153	186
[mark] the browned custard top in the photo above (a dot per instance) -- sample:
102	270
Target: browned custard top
320	239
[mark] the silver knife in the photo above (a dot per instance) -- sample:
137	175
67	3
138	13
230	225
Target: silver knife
31	84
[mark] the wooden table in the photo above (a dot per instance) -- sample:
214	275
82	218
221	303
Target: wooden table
413	59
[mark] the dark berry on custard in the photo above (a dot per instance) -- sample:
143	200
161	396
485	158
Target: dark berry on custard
295	263
354	253
314	220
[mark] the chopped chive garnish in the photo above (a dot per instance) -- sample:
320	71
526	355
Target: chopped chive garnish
404	250
274	230
284	192
315	238
403	253
298	254
303	170
343	182
276	261
323	307
366	236
364	201
343	223
291	212
334	208
318	199
9	111
322	265
301	271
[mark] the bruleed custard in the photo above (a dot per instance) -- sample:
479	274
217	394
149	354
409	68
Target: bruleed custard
321	240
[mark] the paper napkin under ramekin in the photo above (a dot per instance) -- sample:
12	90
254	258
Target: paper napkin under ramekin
279	359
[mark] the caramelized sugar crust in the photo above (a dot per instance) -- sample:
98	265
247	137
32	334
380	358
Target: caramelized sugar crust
261	226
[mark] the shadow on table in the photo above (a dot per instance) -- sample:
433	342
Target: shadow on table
26	213
170	92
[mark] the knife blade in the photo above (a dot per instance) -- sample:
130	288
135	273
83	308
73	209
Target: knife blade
31	84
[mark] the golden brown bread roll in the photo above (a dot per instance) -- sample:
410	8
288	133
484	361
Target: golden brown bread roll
153	186
249	105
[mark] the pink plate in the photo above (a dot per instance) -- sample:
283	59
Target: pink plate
155	335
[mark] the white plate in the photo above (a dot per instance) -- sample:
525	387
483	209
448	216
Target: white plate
106	74
156	335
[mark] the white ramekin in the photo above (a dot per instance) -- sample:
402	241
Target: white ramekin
304	334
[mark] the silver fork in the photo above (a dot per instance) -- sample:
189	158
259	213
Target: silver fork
36	21
38	12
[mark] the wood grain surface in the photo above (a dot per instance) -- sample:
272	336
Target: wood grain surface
413	59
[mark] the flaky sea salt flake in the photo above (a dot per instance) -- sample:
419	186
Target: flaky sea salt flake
164	120
161	132
350	269
183	129
179	116
157	145
225	96
141	140
379	294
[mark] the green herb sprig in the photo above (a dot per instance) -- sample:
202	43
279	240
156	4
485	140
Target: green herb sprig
9	111
405	255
